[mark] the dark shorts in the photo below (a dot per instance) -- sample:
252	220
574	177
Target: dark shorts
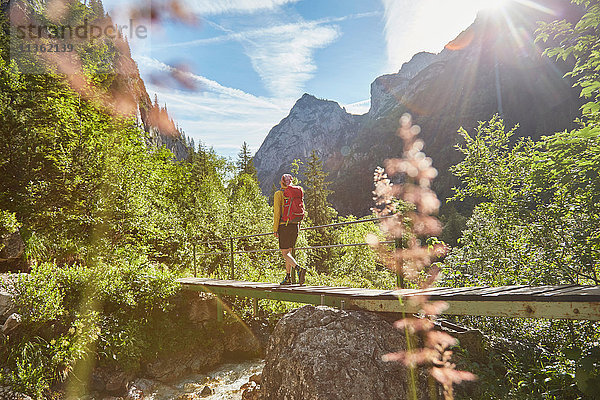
288	234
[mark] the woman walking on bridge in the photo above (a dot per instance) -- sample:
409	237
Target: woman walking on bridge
288	211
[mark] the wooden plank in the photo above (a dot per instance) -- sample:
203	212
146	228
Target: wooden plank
536	294
581	294
493	291
558	290
589	290
445	294
530	290
435	292
374	293
549	301
481	294
345	291
544	291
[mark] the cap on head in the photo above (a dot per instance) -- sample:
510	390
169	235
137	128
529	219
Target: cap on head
286	179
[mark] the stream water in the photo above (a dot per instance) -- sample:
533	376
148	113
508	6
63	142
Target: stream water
224	381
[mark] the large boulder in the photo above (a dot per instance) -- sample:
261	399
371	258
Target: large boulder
12	250
6	304
324	353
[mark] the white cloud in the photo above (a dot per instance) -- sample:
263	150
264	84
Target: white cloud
257	33
424	25
219	116
358	108
214	7
283	55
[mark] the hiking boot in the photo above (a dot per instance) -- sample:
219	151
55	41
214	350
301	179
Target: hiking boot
287	280
293	275
301	274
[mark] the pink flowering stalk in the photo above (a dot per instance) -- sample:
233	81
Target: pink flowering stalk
412	206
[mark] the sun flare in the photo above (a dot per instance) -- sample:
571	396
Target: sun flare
493	4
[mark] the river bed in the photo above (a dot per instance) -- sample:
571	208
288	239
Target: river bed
224	381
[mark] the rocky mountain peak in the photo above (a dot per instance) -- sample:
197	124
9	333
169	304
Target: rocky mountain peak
417	63
386	90
310	103
484	70
312	124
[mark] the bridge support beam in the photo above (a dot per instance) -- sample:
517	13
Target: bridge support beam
219	309
552	302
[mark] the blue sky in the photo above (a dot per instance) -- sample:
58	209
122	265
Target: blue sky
252	59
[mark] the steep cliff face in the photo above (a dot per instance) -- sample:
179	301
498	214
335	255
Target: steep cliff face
128	88
492	67
126	92
312	124
387	89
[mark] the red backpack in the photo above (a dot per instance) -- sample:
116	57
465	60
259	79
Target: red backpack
293	204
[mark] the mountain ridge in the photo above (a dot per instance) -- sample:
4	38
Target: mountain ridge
483	71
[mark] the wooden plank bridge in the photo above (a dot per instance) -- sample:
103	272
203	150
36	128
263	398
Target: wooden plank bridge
554	302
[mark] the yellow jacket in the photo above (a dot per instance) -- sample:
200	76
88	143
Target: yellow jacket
277	208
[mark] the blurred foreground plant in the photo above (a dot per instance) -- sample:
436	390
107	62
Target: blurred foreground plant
411	205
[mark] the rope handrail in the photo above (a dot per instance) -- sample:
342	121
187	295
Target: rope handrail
302	229
233	252
295	248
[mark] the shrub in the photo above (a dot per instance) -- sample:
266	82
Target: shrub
110	314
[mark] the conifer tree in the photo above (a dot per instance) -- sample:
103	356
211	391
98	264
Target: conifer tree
245	164
319	211
97	7
318	207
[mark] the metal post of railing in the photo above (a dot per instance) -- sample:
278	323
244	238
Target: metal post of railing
231	273
194	261
255	307
219	309
232	252
397	266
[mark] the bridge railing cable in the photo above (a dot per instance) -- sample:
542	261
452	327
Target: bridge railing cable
358	221
232	252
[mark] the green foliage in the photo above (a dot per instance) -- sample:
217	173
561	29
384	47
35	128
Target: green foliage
580	43
454	224
537	222
295	170
318	208
245	164
8	225
113	314
319	212
587	367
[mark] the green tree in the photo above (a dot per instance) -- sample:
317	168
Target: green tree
245	163
580	43
537	219
537	222
319	212
318	208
